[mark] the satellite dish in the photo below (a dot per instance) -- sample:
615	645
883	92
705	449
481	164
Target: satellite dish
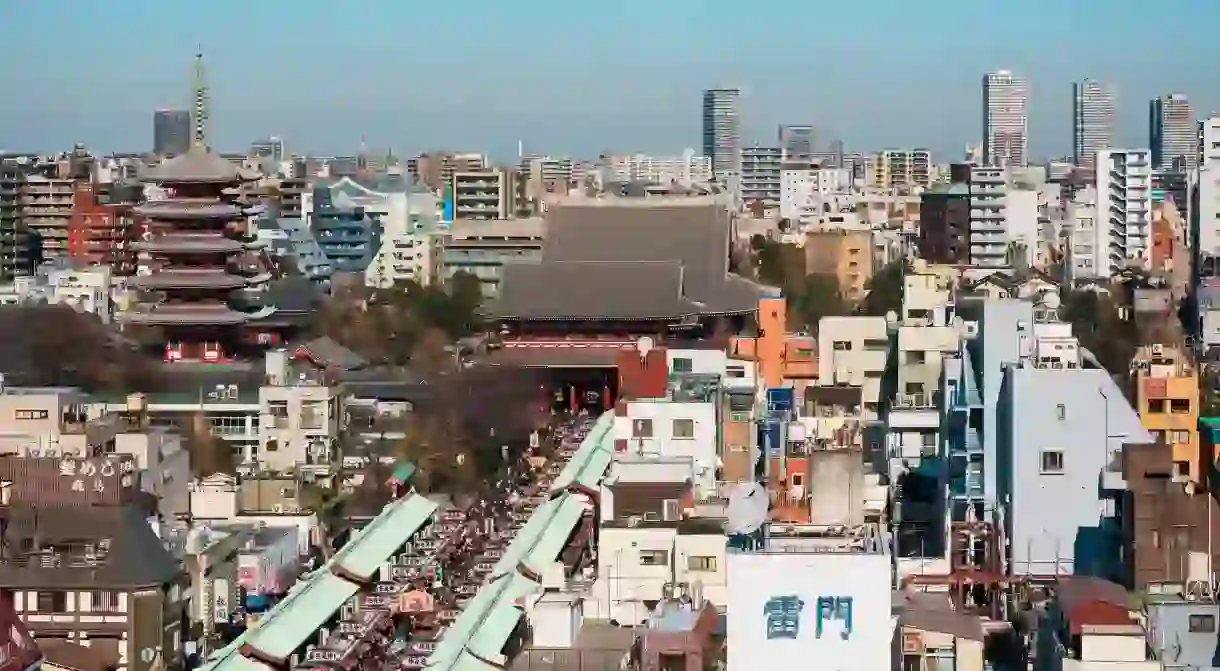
747	510
644	346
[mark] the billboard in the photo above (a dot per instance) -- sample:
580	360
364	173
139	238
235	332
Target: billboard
788	608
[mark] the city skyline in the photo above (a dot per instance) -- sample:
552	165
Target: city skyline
382	85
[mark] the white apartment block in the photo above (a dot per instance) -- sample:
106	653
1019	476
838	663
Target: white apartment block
898	169
808	194
299	418
1209	186
989	236
687	169
1005	119
1124	193
852	353
86	290
1084	240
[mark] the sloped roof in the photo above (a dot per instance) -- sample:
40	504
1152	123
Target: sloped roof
328	353
629	261
136	557
614	289
198	165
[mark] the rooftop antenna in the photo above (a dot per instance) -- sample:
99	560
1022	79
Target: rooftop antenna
747	509
644	346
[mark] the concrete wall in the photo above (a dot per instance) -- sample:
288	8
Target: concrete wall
1001	343
836	487
1062	520
665	416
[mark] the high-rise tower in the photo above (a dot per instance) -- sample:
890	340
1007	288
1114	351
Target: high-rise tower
1092	120
1173	133
722	130
199	103
1005	119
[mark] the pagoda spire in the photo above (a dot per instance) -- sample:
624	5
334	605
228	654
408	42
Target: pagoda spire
199	102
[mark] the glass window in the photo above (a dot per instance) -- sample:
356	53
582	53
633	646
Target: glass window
683	365
1052	461
654	558
641	428
1202	624
695	563
684	428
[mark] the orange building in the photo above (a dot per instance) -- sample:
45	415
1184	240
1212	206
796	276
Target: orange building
784	359
1167	397
100	233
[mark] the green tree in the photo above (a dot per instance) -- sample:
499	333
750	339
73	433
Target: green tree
819	297
884	290
1099	325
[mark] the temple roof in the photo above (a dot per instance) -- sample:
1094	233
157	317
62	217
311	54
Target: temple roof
197	166
188	208
189	243
629	261
591	290
217	315
188	279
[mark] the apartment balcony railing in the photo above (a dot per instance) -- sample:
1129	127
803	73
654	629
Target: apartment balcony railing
914	401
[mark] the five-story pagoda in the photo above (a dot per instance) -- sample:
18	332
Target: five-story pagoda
194	266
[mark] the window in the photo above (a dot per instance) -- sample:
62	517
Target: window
1052	461
30	414
872	374
105	602
735	371
312	414
683	365
684	428
1202	624
928	439
1181	437
700	563
641	428
278	409
739	416
1156	405
654	558
1179	406
1061	411
798	479
52	602
915	356
876	344
842	345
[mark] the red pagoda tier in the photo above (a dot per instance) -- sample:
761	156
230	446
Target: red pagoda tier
197	258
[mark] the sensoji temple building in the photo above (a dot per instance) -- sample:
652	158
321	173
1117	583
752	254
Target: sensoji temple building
197	260
614	271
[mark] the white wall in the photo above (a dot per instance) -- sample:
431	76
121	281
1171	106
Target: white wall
701	447
623	583
758	580
846	359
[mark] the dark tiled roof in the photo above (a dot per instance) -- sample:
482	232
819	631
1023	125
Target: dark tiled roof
135	557
196	165
632	243
330	354
614	289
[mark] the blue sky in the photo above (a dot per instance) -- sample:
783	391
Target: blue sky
578	78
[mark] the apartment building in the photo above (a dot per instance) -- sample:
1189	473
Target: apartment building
1208	189
436	169
807	194
686	169
944	219
1092	120
760	182
300	411
87	289
1167	398
989	234
1124	189
845	255
101	227
1005	120
852	352
47	203
483	194
1084	238
899	169
1172	133
483	247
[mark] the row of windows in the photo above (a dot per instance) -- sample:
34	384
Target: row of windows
57	602
681	428
661	558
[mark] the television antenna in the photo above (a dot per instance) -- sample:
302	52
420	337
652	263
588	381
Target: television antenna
747	509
